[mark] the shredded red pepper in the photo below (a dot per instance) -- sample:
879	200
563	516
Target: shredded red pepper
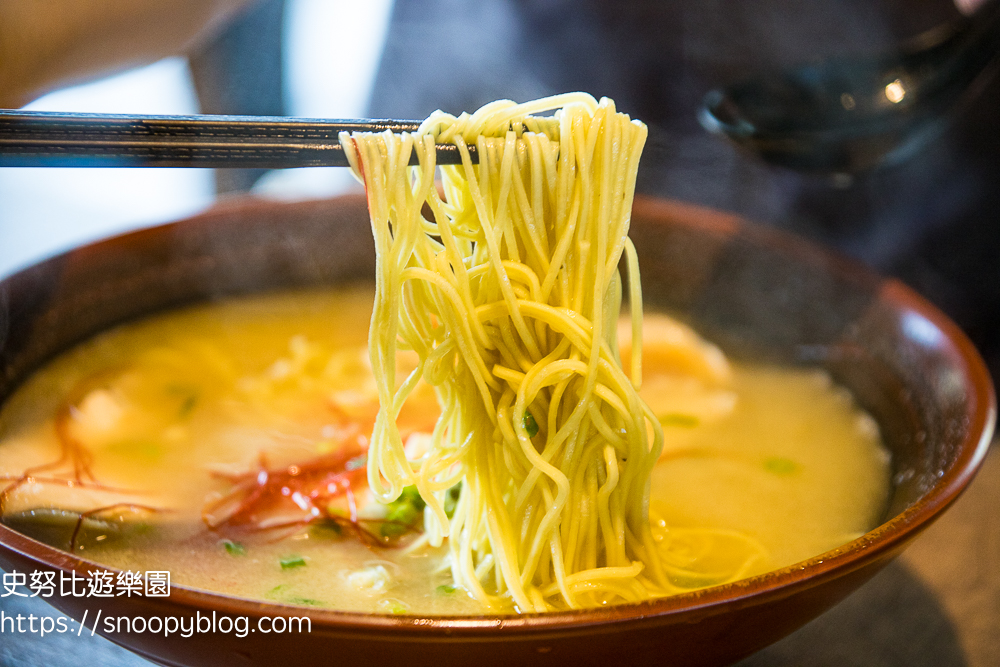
291	498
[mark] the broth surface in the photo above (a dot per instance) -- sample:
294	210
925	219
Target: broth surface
762	468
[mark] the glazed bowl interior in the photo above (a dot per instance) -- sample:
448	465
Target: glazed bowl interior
757	293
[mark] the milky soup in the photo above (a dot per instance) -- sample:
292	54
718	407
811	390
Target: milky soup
225	443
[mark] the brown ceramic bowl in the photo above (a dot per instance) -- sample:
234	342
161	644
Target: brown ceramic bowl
755	292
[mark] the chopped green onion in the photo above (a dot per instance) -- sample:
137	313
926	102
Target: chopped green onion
403	513
530	425
304	601
391	606
234	548
451	500
446	589
677	419
288	562
281	594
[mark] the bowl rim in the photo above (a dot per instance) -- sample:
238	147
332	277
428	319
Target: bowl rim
880	543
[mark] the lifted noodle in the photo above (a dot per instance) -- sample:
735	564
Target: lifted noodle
510	295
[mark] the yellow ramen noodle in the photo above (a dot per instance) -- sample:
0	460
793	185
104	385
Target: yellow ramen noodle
509	296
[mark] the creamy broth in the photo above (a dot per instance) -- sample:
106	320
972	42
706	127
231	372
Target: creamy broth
762	467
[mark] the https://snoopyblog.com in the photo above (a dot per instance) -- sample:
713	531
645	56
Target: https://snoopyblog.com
109	584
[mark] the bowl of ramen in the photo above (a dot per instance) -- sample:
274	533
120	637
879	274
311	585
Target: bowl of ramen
205	401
